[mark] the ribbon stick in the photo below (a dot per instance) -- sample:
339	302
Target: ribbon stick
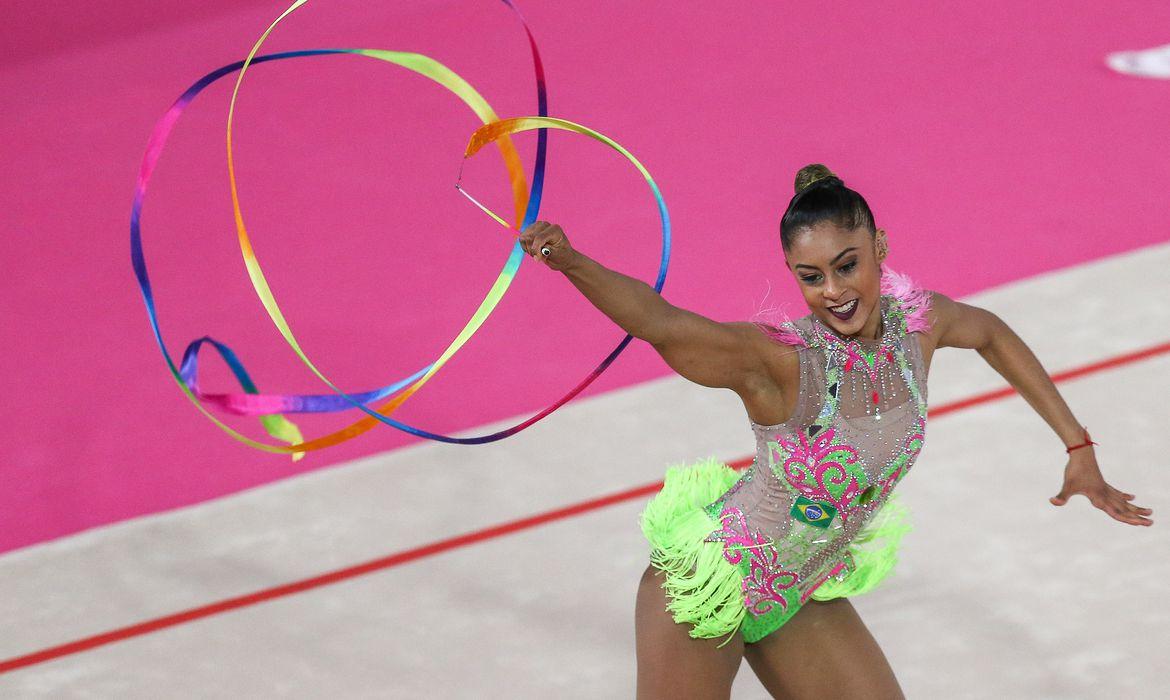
500	130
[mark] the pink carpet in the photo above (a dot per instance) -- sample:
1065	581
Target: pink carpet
991	141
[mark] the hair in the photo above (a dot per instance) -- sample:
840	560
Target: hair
822	196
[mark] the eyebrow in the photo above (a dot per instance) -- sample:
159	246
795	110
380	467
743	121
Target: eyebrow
831	262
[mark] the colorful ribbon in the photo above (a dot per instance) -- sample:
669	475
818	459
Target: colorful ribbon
270	406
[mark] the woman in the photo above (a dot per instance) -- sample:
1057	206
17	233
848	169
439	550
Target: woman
759	566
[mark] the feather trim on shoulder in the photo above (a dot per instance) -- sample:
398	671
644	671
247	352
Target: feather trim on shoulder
776	324
785	333
913	300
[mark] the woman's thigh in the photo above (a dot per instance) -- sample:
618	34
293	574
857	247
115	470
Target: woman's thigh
824	651
671	664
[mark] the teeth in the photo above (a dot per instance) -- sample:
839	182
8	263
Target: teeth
844	308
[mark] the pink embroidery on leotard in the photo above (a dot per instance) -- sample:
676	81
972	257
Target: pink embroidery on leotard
811	467
912	446
767	578
854	355
829	574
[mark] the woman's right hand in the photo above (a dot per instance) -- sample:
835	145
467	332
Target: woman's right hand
541	238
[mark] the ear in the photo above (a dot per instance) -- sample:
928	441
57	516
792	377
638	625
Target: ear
881	245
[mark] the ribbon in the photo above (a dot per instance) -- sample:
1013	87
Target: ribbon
270	406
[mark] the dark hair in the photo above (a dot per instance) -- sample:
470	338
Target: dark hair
822	196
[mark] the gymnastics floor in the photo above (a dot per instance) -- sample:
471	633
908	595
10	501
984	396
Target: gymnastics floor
997	594
144	554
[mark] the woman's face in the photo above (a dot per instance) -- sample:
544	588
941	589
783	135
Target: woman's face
839	273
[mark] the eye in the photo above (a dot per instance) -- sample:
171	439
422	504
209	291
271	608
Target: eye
849	266
810	279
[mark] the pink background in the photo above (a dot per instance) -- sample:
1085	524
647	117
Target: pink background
990	140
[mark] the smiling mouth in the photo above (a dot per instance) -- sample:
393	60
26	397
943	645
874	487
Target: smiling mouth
844	311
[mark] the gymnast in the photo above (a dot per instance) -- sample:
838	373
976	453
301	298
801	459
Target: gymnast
761	565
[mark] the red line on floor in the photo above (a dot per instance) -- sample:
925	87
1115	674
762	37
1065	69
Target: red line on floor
464	540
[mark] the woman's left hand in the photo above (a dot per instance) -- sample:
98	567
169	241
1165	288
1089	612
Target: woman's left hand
1083	476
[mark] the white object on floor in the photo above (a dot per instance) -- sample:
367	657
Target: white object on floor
1147	63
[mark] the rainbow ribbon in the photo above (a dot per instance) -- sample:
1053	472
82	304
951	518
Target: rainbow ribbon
270	406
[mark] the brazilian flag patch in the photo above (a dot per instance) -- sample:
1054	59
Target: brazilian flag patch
814	513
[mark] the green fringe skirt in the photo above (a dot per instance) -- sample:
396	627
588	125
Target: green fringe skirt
704	590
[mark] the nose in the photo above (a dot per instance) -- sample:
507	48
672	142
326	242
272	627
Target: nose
831	291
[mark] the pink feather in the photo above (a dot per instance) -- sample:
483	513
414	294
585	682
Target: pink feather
914	299
784	333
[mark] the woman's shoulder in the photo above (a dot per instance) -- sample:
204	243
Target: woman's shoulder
911	306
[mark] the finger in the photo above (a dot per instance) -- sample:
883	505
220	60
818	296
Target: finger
1133	519
1115	512
1066	492
549	240
1127	513
526	238
534	229
1122	501
1131	508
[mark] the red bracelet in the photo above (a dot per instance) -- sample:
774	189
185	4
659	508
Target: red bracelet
1088	441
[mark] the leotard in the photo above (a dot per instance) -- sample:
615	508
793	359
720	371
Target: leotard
814	515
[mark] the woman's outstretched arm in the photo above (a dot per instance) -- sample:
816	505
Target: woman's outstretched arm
959	325
707	352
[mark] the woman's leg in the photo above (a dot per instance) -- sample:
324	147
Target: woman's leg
670	663
824	651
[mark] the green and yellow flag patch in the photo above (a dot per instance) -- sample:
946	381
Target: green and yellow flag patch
814	513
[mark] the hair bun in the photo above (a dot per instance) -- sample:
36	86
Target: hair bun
815	173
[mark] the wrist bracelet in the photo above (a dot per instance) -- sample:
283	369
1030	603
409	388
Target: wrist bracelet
1088	441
